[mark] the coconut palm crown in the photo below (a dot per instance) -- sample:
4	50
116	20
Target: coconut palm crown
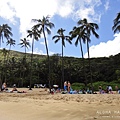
5	31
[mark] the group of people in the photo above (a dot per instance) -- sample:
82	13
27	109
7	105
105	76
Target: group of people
5	89
108	90
67	86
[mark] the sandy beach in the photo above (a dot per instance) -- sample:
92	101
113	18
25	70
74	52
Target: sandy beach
38	104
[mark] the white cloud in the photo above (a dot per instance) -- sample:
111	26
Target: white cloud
42	43
37	51
30	9
107	5
105	49
65	8
86	9
6	11
40	52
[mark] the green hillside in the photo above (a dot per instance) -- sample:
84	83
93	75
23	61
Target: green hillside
18	54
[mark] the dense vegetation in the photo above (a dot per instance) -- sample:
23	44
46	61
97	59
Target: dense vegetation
17	69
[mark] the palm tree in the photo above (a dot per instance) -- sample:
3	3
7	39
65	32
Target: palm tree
5	31
116	26
5	53
80	36
24	43
10	42
89	28
45	25
34	34
63	38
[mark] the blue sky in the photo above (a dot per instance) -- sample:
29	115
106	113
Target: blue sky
64	14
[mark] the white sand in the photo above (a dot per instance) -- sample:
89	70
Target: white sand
39	105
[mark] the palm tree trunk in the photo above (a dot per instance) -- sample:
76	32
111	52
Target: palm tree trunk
0	79
62	69
5	68
83	63
8	53
0	82
48	60
24	69
89	64
23	77
25	54
31	65
7	59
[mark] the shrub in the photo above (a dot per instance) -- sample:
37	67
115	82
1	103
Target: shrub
105	84
77	86
100	83
80	86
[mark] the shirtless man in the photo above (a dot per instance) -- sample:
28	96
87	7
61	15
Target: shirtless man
69	86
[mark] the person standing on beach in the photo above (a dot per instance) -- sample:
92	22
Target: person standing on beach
69	86
65	86
116	88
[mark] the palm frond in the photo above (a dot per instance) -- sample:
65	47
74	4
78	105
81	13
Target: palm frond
117	18
48	31
56	36
57	40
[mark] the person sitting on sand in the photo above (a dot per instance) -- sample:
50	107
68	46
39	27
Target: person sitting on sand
100	89
83	91
118	90
110	89
14	88
4	87
73	91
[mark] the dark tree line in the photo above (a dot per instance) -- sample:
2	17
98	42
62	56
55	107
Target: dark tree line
17	70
